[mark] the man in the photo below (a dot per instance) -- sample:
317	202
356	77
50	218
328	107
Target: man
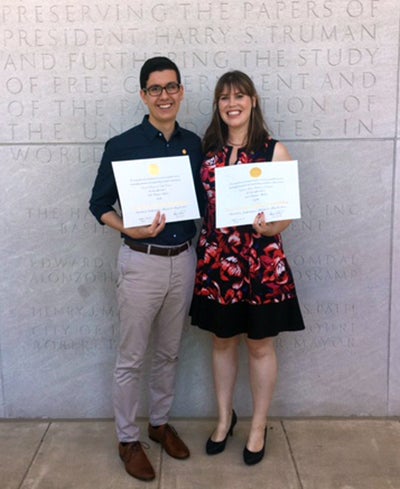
156	271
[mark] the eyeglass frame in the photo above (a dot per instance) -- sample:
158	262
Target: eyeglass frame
165	87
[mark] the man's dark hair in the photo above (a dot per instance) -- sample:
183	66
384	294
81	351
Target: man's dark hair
159	63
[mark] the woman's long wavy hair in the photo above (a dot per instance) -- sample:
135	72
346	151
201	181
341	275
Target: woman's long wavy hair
216	134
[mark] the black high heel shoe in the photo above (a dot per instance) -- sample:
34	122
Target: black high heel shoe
252	458
214	447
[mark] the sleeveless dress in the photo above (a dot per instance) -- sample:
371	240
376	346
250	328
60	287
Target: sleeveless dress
243	280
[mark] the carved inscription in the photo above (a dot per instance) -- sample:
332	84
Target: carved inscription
73	329
332	322
69	221
70	71
330	326
318	218
72	321
74	325
64	269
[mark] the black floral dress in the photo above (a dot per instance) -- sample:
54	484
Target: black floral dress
243	280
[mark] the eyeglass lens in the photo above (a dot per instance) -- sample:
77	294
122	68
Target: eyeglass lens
170	88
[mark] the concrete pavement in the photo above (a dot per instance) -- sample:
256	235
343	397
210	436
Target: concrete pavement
301	454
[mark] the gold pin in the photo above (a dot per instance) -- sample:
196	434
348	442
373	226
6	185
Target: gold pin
184	152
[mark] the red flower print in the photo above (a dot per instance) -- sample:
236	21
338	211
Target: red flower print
273	262
230	269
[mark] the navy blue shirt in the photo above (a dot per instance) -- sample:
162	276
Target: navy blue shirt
145	141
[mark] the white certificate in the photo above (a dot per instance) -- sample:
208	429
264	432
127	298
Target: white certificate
155	184
244	190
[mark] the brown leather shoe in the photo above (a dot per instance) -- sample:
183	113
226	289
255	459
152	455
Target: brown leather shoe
136	462
170	441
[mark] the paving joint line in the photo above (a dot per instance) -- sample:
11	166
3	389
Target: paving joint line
292	455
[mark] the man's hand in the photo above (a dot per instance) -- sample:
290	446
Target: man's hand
143	232
113	220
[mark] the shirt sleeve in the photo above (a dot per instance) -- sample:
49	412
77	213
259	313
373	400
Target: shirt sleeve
104	192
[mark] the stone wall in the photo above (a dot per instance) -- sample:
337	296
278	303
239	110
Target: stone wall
327	74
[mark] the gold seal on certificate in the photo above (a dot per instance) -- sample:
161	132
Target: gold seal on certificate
154	169
244	190
256	172
155	184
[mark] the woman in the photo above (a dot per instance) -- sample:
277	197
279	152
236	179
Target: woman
243	281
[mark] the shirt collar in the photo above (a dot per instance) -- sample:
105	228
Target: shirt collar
152	132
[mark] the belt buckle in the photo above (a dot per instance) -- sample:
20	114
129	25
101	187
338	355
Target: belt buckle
148	251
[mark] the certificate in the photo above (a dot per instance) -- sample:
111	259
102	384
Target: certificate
155	184
244	190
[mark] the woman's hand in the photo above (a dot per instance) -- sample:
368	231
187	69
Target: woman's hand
261	226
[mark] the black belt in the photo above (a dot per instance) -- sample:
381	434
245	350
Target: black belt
158	250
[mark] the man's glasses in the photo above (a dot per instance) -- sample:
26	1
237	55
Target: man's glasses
156	90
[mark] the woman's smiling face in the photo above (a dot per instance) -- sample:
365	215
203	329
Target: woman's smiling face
235	107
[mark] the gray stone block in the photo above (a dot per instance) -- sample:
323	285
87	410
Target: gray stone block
340	255
326	74
58	314
394	338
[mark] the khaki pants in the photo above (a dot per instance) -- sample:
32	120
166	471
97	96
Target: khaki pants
154	295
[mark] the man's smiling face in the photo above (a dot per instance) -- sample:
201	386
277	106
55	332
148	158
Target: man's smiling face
163	108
